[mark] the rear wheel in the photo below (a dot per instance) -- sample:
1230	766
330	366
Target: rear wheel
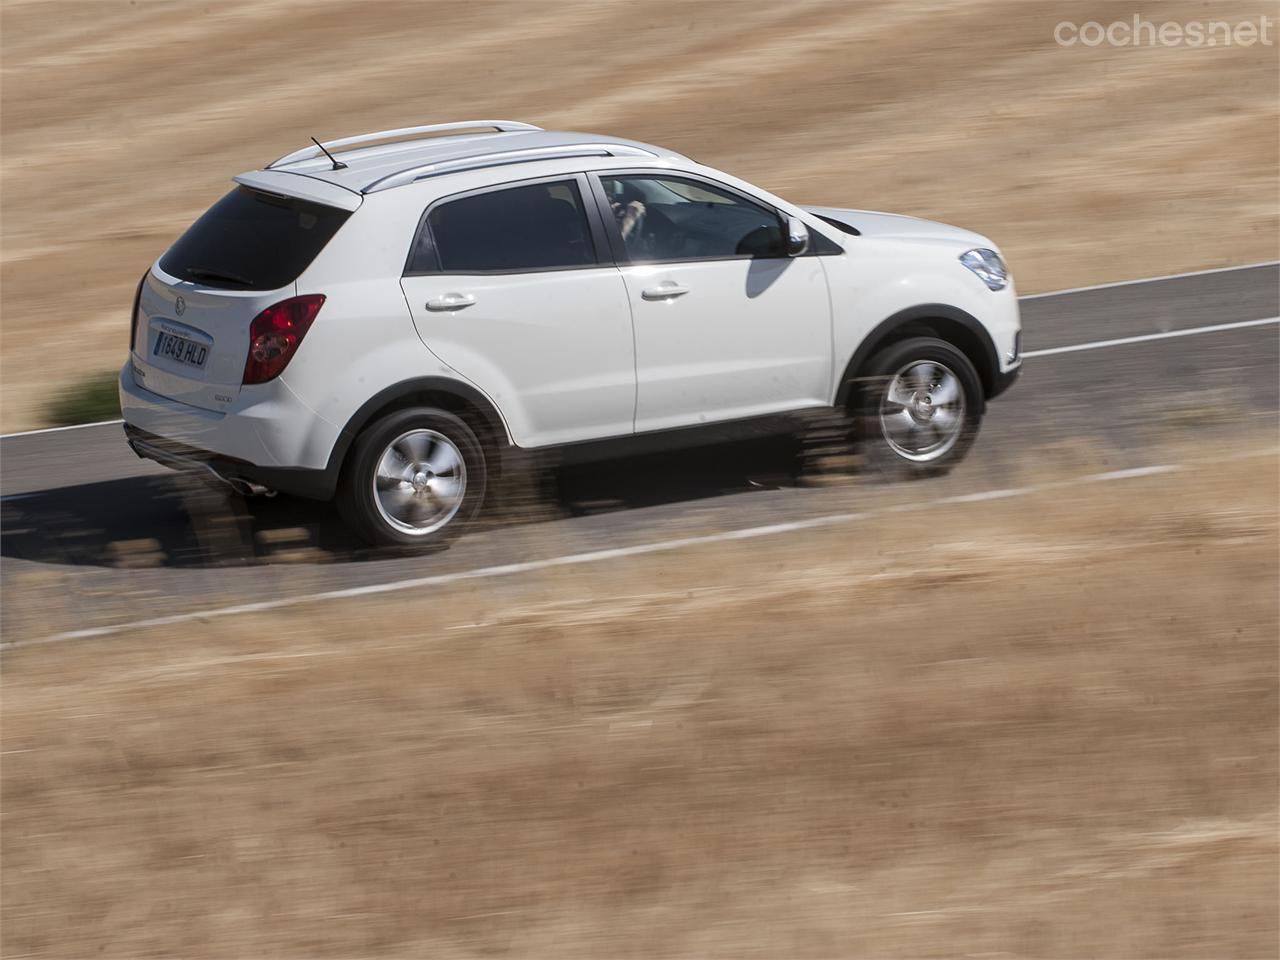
414	478
918	408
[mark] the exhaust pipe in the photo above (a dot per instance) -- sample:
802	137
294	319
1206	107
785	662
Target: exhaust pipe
244	487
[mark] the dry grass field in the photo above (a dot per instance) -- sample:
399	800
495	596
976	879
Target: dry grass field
1033	727
1036	727
120	121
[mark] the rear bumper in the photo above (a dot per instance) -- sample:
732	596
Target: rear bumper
274	441
187	460
239	476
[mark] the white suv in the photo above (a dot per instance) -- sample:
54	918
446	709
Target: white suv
383	320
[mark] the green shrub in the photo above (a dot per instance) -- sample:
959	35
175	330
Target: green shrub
92	399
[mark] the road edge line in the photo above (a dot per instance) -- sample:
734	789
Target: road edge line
1138	280
591	556
71	426
1147	337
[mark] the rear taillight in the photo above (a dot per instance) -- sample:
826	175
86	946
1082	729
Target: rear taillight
275	334
137	303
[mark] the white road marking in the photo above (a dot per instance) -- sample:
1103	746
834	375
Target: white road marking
593	556
1143	338
74	426
1032	296
1167	276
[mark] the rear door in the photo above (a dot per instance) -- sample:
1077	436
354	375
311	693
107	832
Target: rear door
198	301
727	326
507	285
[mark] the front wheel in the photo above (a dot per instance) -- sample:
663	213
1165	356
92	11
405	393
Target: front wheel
414	478
918	408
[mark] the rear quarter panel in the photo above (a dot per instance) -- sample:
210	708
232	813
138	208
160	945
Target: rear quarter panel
363	339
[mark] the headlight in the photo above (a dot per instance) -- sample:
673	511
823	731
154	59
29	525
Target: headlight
988	266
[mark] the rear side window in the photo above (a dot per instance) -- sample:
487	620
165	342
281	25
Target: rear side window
250	240
538	226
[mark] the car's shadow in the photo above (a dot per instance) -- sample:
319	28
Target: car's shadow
166	520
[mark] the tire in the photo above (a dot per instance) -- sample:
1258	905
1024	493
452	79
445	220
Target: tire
414	478
917	408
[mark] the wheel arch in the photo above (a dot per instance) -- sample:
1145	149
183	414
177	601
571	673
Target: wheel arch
962	330
458	398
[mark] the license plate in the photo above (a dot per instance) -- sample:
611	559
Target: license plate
180	350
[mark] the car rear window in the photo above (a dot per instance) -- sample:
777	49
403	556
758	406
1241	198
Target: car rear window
251	240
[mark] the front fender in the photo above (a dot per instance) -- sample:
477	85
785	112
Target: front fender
879	288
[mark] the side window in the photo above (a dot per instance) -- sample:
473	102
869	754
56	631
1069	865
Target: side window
669	218
539	226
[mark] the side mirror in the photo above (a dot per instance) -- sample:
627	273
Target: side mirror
797	237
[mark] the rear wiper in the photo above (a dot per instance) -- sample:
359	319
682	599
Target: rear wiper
207	274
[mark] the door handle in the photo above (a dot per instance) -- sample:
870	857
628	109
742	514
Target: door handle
666	290
451	301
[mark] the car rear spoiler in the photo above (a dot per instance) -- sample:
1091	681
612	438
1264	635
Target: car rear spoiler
302	187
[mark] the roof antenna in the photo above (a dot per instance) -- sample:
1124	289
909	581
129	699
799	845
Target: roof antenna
336	164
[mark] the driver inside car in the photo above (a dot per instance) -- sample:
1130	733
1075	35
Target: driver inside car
628	210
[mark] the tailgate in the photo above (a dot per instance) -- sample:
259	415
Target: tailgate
192	341
199	300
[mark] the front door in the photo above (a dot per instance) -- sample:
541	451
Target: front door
726	325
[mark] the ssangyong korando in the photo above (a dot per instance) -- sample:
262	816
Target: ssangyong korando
382	319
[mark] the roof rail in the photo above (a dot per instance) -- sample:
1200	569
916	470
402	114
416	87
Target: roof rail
309	153
503	157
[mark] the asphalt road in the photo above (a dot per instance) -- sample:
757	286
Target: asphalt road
92	536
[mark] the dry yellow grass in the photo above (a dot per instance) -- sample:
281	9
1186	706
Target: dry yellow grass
1037	727
121	122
